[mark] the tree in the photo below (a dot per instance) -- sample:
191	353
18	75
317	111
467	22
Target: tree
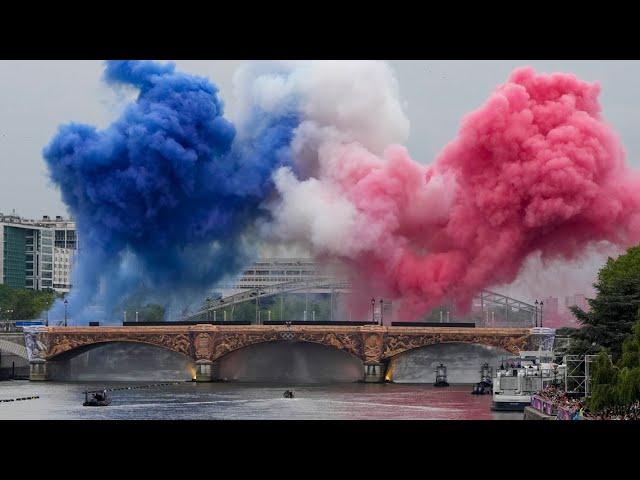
603	380
617	385
614	309
23	303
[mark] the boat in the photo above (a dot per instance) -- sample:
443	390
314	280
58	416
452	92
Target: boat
484	386
517	379
96	399
288	394
441	376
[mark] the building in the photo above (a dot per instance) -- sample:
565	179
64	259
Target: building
550	305
267	272
37	254
578	300
65	246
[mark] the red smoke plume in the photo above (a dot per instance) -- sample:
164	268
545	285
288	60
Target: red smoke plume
535	168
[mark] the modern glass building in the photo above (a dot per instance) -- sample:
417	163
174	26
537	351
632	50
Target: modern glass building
29	258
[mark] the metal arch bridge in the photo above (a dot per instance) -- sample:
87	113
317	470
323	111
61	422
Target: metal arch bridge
327	283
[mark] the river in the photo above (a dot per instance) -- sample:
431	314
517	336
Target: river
204	401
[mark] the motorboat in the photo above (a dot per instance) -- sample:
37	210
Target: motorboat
96	399
484	386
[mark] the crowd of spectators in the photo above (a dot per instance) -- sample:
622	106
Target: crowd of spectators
578	409
559	398
626	412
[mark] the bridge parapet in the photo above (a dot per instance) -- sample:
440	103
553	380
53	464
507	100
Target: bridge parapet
205	344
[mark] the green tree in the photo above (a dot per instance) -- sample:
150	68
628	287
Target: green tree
603	380
617	385
23	303
614	309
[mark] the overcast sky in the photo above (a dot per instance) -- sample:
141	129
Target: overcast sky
37	96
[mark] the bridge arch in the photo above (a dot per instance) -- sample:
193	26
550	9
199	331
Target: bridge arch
121	360
289	361
345	342
80	349
399	344
14	349
66	344
462	359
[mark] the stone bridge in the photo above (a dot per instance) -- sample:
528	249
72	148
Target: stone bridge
13	343
205	344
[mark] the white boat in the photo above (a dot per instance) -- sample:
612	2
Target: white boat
517	379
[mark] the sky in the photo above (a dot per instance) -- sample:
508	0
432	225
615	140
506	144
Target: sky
37	96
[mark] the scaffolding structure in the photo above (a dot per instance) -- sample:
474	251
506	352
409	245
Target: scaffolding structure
577	375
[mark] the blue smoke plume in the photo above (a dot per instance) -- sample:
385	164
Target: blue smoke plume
165	198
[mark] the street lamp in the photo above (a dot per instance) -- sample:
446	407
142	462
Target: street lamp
66	305
373	309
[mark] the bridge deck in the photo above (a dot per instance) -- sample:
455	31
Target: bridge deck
284	328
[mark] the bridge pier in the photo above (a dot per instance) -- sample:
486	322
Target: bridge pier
207	371
374	372
38	370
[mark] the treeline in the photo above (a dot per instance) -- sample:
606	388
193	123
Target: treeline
617	384
23	303
611	329
147	312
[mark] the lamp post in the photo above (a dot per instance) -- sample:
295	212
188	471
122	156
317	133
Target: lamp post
66	305
373	309
541	305
535	309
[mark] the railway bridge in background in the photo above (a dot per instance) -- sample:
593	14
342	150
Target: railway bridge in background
205	344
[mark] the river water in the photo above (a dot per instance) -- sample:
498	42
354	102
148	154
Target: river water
204	401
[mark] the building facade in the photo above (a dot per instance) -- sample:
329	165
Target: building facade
37	254
550	305
578	300
266	272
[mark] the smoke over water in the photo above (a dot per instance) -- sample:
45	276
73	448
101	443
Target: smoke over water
535	169
165	197
170	199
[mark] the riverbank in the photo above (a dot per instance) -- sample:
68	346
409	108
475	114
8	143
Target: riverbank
531	413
